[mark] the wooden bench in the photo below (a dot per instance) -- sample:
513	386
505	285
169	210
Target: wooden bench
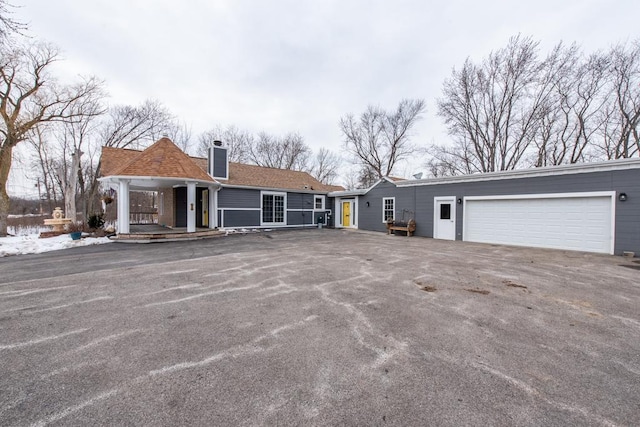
409	227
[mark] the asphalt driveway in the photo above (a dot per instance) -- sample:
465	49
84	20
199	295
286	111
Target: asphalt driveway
319	327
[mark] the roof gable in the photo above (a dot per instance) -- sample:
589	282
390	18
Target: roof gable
162	159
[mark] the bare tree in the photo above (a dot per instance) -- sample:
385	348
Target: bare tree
8	25
178	132
73	137
569	124
44	165
134	127
514	110
288	152
379	139
493	110
325	166
237	141
28	98
621	117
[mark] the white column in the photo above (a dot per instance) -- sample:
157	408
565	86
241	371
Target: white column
123	206
191	207
213	207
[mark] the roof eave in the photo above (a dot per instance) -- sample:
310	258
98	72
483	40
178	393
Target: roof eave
111	178
611	165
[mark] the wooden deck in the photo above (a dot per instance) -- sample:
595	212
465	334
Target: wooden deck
147	233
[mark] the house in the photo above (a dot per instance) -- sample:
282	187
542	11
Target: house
592	207
213	192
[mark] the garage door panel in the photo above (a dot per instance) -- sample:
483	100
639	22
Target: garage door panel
576	223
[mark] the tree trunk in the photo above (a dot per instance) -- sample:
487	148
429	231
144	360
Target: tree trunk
5	166
70	187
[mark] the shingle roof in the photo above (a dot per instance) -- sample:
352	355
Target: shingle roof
259	176
162	159
119	161
113	158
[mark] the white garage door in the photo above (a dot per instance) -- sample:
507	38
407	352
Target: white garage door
575	221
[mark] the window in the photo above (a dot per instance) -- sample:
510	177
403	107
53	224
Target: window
318	203
445	211
273	208
388	208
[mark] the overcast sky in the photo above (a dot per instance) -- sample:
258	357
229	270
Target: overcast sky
282	66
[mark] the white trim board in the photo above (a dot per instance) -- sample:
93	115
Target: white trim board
577	168
273	189
544	195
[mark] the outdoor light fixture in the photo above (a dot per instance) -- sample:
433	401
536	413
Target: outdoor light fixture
622	197
367	204
459	201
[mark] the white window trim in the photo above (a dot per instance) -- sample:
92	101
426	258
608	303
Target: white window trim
315	198
384	199
284	208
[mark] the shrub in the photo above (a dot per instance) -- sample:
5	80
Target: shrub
75	226
96	221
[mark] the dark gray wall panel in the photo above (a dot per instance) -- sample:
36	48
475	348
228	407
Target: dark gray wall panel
299	201
299	217
238	198
241	218
180	201
219	162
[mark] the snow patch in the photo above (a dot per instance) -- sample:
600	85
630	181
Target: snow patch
33	244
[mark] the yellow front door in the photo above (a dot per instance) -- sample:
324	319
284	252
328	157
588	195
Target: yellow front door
346	214
205	208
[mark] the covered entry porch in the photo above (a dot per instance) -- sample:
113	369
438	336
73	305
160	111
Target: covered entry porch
184	205
166	169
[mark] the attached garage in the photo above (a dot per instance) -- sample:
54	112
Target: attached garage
573	221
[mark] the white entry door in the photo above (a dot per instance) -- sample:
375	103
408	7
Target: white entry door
444	218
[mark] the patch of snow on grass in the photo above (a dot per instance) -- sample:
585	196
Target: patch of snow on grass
32	244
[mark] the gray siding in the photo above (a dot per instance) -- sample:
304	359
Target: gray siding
238	198
420	199
370	217
627	213
299	218
241	218
299	201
